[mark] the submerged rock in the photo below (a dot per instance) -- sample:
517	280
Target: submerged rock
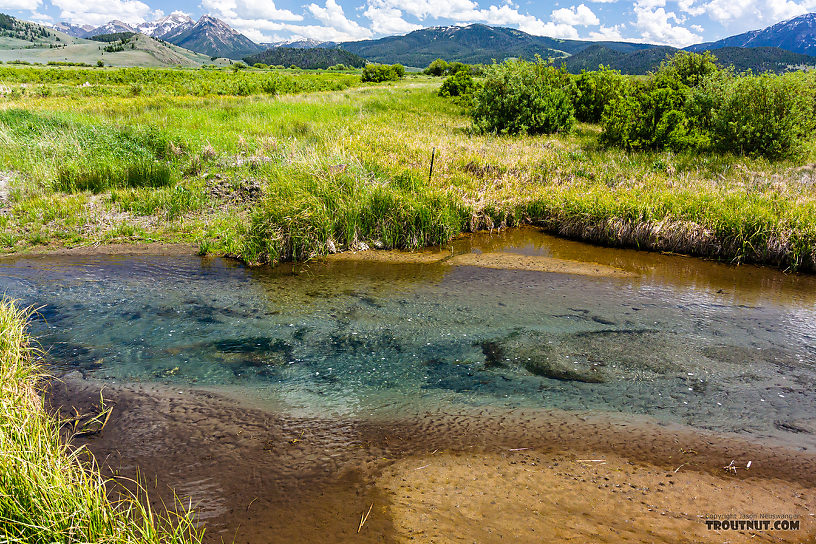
564	371
494	354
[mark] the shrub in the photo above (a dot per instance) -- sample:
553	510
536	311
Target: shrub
377	73
689	103
439	67
456	67
765	115
260	66
594	90
523	97
459	84
665	111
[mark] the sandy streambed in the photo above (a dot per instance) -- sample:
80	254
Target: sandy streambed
477	476
532	497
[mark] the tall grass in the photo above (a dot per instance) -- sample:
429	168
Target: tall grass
315	217
50	492
96	178
129	82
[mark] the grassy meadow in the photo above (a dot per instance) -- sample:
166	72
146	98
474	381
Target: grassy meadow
322	163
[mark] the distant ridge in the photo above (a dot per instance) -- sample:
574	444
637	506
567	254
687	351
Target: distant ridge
758	50
301	44
473	44
314	58
757	59
112	27
168	27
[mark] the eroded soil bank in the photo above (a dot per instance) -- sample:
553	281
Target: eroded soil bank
484	475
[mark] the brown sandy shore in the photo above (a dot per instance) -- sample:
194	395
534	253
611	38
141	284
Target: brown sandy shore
480	476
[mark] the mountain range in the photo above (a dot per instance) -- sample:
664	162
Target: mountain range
756	59
785	45
208	35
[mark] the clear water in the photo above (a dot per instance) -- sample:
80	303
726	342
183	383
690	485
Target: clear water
682	341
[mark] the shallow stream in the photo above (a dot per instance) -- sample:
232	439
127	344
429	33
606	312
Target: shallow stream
730	349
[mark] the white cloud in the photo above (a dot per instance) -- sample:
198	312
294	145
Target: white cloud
41	18
388	20
607	33
687	6
333	17
249	9
99	12
389	16
755	13
552	30
576	15
28	5
655	25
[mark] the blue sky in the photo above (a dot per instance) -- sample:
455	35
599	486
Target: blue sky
671	22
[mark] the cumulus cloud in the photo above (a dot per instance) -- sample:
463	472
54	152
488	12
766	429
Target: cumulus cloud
576	15
99	12
249	9
660	26
336	26
755	13
607	33
387	19
688	6
389	16
22	5
332	16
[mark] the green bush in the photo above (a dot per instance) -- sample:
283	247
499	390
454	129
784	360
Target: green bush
456	67
377	73
459	84
665	111
689	103
594	90
438	68
523	97
766	115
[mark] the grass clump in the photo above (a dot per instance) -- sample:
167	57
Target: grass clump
97	178
316	217
50	492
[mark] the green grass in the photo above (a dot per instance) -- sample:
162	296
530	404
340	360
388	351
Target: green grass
341	168
49	491
96	178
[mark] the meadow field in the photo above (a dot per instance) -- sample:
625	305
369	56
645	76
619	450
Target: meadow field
270	165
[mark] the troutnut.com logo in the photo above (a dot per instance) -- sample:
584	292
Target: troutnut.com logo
752	522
